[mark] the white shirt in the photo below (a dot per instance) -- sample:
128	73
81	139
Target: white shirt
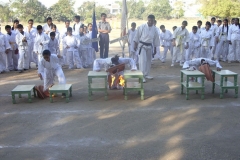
89	35
195	40
57	36
23	45
207	38
131	35
72	42
32	33
199	30
4	44
44	39
53	46
76	27
197	63
148	35
181	36
215	30
47	28
12	38
81	39
234	33
223	32
166	38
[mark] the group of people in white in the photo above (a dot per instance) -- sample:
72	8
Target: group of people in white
22	45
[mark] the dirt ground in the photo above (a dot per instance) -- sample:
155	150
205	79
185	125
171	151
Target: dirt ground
164	126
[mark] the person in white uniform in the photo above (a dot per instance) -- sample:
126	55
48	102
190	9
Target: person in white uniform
165	42
194	45
77	25
32	32
23	40
234	42
71	43
40	42
199	27
180	39
145	37
91	50
53	45
131	34
207	41
83	47
4	49
223	44
57	34
12	55
64	50
158	53
215	31
47	28
49	68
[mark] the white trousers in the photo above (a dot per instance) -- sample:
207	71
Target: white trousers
23	60
178	54
91	55
192	53
73	58
234	51
213	50
49	75
134	56
84	55
3	62
222	49
165	50
158	53
12	60
205	52
145	59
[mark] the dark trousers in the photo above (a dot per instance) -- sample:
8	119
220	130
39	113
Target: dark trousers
104	45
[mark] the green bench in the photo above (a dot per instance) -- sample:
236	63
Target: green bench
23	89
60	88
98	86
224	84
133	86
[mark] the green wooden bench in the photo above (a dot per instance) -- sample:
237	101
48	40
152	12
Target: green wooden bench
98	86
224	84
60	88
192	85
23	89
133	86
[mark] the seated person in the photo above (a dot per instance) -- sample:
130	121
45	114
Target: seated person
48	68
196	64
115	77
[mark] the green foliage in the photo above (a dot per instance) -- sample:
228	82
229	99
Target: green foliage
178	11
220	8
61	11
86	10
28	9
5	15
159	8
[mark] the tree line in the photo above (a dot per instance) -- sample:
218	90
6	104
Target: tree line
137	9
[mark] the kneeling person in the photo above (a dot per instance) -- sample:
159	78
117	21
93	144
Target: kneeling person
48	68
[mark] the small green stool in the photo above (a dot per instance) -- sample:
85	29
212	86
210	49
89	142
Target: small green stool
133	86
61	88
23	89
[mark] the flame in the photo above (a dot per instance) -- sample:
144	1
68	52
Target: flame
117	80
121	81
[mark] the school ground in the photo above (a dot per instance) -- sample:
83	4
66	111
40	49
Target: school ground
164	126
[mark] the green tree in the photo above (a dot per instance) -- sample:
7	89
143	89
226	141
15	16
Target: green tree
159	8
61	11
28	9
220	8
178	11
6	13
86	11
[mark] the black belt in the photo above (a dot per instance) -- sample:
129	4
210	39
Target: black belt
144	44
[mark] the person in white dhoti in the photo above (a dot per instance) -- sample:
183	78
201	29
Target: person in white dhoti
207	41
83	47
47	28
53	45
4	49
71	43
91	50
234	42
131	34
64	50
49	68
40	42
12	54
223	44
166	42
194	45
32	32
115	80
215	31
145	37
22	40
158	53
180	39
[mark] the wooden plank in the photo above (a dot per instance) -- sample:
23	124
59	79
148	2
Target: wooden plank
119	39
